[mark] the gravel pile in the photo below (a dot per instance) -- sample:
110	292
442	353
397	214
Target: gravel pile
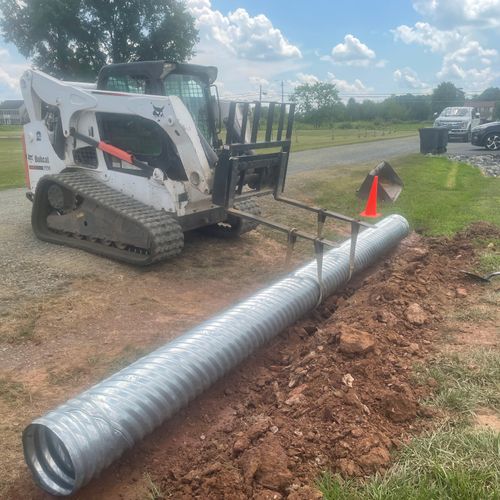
489	164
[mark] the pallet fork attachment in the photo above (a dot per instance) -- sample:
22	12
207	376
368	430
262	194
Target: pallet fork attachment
318	240
240	165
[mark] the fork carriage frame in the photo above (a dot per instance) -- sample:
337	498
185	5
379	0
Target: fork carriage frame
239	165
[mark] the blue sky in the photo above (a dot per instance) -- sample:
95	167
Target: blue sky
369	49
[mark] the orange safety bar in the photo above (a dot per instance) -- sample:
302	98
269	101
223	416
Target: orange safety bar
114	151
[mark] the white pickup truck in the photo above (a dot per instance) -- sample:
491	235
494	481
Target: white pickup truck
459	121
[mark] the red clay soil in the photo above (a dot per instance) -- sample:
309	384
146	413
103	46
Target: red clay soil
334	392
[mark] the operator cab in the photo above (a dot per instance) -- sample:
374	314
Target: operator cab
190	82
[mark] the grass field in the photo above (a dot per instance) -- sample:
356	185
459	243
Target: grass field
11	163
304	139
439	197
10	131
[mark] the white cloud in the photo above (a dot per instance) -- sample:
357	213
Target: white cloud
307	78
352	52
247	50
427	35
471	64
465	61
472	13
257	80
10	73
409	79
247	37
343	86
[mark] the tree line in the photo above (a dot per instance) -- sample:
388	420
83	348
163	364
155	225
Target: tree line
319	104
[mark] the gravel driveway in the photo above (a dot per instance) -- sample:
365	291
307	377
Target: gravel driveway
31	267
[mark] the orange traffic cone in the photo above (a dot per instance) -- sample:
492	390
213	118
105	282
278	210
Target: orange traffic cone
371	205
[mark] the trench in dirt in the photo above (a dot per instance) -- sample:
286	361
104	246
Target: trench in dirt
333	392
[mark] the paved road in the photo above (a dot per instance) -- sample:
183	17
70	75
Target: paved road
370	152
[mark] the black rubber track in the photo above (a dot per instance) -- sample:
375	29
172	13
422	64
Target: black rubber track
165	237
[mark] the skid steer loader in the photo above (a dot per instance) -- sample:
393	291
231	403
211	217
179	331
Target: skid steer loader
124	167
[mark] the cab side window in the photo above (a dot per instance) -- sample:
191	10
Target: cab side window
127	83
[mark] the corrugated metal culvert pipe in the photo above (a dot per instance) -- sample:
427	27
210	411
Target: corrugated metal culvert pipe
69	446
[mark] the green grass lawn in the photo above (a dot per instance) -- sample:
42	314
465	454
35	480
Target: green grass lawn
11	163
439	197
304	139
10	131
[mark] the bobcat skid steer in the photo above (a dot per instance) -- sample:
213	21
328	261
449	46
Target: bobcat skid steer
124	167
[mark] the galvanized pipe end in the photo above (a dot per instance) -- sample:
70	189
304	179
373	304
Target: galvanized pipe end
49	460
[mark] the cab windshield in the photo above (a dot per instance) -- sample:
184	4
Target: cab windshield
455	112
194	93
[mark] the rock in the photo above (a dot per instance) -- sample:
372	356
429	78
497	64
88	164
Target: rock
267	495
258	428
240	445
296	396
348	467
348	380
413	348
353	341
357	432
461	293
267	464
386	317
415	314
376	457
416	254
399	408
305	493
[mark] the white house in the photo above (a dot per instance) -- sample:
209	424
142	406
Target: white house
12	112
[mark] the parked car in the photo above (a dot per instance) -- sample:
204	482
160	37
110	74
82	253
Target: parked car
487	135
459	121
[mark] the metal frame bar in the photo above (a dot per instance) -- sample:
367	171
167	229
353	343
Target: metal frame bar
322	212
281	227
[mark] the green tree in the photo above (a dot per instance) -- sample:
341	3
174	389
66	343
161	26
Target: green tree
73	39
316	102
490	94
446	95
496	111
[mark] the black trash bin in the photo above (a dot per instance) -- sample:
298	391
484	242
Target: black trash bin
433	140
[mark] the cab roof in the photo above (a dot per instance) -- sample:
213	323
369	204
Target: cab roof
155	70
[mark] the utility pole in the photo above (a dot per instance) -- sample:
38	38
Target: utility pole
282	92
260	93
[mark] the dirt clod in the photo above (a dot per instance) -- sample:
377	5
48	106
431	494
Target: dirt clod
376	458
268	465
415	314
353	341
399	408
